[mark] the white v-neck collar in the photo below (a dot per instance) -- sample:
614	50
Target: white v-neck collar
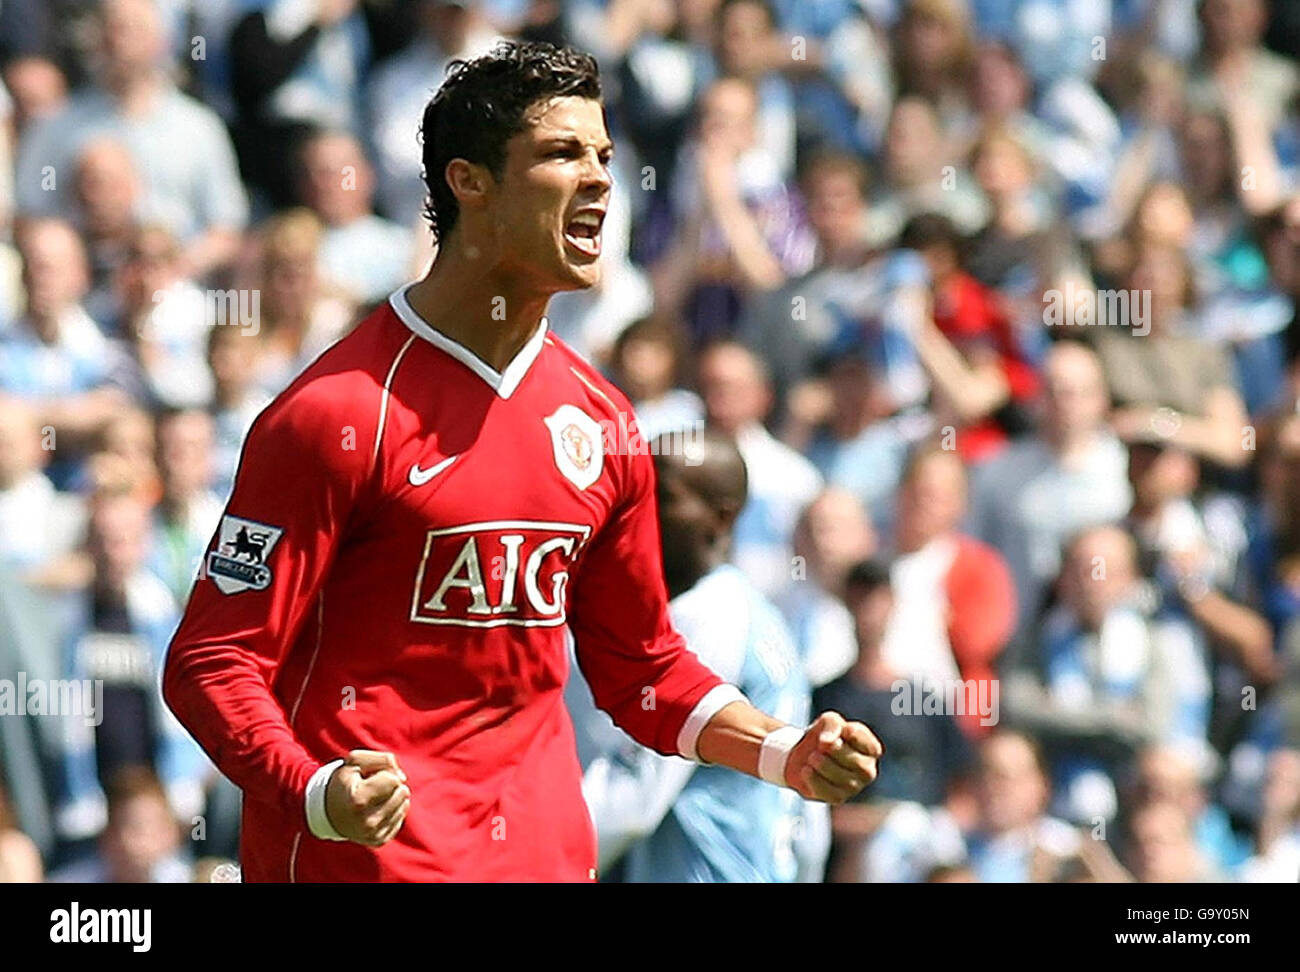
504	382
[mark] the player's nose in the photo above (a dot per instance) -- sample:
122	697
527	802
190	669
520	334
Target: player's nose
596	174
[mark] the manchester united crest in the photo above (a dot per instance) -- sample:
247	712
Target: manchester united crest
579	449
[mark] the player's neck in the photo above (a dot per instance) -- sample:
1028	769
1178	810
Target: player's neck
473	306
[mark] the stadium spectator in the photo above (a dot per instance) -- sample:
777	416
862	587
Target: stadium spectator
740	229
55	357
364	255
648	365
921	173
1233	177
929	752
108	198
1151	108
737	398
141	843
897	843
1277	833
1280	240
399	88
1000	97
294	67
191	181
1191	549
1013	837
301	313
36	87
747	46
38	524
855	446
832	534
933	47
1232	54
1274	539
1161	847
859	302
163	322
127	447
1004	253
236	401
1166	774
1163	382
1110	675
1278	724
1057	40
980	381
661	68
1044	488
838	62
117	640
1161	216
955	603
791	327
189	509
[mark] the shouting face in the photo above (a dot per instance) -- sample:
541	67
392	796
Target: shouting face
548	207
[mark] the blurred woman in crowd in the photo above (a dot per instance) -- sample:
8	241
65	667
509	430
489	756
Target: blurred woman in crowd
933	52
741	229
648	364
300	315
1165	383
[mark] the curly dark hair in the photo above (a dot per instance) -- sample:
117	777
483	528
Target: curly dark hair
481	106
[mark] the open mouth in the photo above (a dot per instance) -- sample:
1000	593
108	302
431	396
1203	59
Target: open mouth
582	232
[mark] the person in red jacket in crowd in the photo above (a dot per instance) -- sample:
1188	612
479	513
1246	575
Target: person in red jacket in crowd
982	383
955	602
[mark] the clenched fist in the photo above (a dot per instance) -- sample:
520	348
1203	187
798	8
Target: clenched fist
834	760
367	797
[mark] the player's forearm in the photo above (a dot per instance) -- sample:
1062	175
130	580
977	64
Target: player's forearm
734	736
222	700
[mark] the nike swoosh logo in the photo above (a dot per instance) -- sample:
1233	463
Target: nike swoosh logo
418	476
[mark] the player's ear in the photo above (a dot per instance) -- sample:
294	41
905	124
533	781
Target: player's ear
469	181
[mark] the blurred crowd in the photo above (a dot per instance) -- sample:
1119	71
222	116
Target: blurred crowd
998	299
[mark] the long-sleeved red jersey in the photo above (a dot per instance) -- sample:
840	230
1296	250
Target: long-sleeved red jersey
409	537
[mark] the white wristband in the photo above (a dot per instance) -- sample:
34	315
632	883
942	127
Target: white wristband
775	753
317	820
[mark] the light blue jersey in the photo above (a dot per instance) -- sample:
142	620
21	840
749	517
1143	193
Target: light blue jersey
673	820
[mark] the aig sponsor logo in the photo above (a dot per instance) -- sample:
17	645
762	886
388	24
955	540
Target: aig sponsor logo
504	572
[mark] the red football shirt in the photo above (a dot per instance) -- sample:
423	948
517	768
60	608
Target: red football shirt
409	537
